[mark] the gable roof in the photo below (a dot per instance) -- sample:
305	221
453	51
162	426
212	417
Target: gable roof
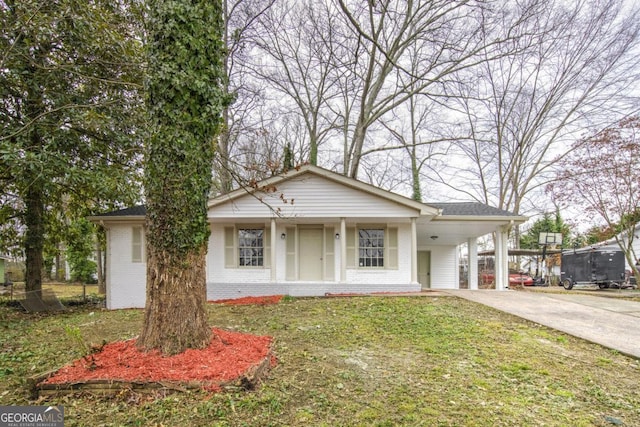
463	211
274	181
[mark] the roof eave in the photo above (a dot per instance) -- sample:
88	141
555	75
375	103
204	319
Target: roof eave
123	218
489	218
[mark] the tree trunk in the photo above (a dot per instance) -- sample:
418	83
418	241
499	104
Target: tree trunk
416	193
175	317
102	286
357	143
34	239
224	169
184	117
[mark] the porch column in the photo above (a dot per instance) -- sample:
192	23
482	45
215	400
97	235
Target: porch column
472	248
497	268
273	249
343	250
501	257
414	252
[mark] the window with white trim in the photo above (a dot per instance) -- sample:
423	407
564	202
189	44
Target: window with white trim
371	247
137	245
250	247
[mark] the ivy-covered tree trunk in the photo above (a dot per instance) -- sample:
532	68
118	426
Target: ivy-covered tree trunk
185	99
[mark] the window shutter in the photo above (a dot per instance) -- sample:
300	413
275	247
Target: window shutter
291	254
329	255
351	247
392	251
229	247
266	243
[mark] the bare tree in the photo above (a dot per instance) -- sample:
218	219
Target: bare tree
569	70
296	50
342	66
446	36
240	23
419	128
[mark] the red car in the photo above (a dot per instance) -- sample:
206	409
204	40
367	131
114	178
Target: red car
515	278
520	278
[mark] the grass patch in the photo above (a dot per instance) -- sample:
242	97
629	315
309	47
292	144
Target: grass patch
382	361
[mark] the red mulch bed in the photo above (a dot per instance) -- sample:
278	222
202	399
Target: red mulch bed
228	357
272	299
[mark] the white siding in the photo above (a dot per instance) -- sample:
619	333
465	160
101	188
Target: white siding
126	280
444	267
312	196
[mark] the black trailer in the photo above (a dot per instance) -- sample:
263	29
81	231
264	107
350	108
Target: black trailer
604	267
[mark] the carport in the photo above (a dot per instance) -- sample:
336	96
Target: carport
461	223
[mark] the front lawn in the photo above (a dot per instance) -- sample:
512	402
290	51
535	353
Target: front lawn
359	361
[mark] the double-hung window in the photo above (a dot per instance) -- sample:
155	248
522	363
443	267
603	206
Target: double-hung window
250	247
371	247
137	245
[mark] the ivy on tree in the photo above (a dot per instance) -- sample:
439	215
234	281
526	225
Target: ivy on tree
185	99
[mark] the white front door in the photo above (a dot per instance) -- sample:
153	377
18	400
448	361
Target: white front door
310	259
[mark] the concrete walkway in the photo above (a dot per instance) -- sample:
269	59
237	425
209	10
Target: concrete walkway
611	322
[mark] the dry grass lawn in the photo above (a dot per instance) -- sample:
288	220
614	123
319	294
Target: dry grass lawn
360	361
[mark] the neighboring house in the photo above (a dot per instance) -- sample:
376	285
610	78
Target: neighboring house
312	232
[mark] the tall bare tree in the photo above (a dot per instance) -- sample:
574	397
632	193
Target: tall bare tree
446	36
414	129
571	69
296	55
240	26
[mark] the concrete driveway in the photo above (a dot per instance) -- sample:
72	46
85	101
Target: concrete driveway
611	322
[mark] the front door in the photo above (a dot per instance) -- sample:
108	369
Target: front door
310	267
424	269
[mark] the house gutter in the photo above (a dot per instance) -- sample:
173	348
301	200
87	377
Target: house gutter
488	218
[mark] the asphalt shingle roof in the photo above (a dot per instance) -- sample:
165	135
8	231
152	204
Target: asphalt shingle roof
448	209
469	209
139	210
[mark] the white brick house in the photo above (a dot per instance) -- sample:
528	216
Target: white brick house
313	232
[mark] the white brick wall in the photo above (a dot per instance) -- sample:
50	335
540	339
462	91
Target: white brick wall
126	281
226	283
